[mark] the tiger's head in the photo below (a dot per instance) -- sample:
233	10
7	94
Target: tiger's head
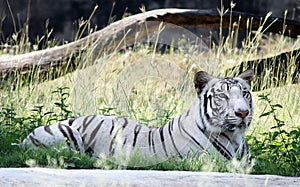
226	103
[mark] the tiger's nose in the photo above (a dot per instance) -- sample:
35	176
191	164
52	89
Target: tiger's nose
242	114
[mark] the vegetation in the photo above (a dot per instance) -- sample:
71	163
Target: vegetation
278	151
130	83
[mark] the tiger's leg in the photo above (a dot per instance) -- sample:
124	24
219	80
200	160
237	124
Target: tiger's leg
52	135
244	152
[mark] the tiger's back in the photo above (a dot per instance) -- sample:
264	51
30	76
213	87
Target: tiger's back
117	136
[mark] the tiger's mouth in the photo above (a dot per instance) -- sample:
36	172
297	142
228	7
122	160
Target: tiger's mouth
232	126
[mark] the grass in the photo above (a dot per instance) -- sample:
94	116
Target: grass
130	83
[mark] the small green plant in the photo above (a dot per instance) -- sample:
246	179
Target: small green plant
63	94
278	152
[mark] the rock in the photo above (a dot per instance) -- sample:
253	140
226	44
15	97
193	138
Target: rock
61	177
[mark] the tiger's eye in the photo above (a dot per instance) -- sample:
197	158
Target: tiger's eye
222	95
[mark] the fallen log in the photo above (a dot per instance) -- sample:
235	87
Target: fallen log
278	67
63	59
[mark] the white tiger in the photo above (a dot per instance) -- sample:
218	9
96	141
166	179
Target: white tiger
215	123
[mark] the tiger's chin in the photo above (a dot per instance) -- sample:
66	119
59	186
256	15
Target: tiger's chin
228	125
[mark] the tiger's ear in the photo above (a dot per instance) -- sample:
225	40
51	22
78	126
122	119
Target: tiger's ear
200	80
247	75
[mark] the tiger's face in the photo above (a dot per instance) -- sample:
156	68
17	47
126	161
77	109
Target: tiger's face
227	102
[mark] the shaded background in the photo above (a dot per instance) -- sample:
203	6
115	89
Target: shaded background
63	15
